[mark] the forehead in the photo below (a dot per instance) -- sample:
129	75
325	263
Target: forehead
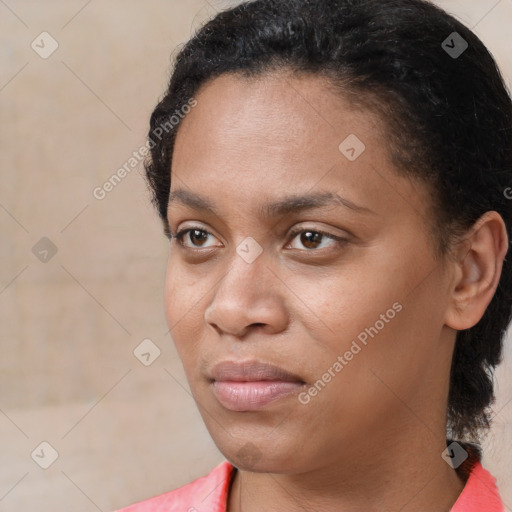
281	112
249	139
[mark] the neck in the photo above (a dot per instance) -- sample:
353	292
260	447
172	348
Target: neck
406	474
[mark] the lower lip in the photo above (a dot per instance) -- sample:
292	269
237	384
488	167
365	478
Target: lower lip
251	396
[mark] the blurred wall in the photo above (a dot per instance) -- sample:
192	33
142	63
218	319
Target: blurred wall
82	273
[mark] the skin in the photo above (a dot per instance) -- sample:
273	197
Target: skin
372	438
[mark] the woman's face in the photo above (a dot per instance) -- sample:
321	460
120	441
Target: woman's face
313	256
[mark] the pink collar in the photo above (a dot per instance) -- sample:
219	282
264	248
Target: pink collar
210	493
479	493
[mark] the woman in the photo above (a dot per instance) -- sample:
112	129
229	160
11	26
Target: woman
333	178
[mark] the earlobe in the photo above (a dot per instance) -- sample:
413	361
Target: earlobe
477	271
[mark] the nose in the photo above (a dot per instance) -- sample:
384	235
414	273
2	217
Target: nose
250	295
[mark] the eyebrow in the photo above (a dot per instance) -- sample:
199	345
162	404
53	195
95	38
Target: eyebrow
287	205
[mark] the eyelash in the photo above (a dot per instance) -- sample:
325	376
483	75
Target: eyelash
179	236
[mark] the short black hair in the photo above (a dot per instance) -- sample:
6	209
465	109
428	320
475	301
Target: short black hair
446	109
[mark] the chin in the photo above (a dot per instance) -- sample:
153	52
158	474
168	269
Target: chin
260	457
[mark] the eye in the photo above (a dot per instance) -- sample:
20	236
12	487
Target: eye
192	235
312	238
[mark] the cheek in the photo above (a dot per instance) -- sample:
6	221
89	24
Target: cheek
173	304
383	325
183	312
184	292
386	360
346	306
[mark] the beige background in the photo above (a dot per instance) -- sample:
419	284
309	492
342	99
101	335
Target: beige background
68	376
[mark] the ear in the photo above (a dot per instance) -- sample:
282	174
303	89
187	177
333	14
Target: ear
477	272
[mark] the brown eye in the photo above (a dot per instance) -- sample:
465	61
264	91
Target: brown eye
312	239
196	236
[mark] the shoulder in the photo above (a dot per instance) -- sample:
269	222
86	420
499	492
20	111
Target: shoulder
208	493
480	492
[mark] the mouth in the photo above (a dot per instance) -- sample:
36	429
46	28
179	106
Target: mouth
252	385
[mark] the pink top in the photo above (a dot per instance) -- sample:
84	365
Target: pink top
210	493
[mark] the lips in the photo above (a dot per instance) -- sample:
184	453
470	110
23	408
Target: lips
246	371
252	385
